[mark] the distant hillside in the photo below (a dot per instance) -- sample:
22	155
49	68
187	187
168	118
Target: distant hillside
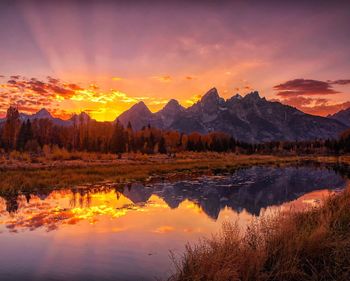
342	116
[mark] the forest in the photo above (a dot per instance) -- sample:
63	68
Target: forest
89	135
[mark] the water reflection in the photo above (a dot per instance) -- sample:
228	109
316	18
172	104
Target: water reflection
249	190
125	232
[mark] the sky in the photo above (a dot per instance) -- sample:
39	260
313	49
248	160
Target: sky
104	56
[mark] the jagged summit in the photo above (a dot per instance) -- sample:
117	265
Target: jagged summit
43	114
252	95
138	115
212	96
172	105
237	97
140	106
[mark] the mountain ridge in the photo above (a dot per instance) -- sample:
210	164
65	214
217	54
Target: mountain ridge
342	116
248	118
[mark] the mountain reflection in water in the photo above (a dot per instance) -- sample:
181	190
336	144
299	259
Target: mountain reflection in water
249	190
124	232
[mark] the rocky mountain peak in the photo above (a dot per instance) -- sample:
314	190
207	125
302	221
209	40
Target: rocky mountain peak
42	114
173	105
140	107
237	97
210	96
252	96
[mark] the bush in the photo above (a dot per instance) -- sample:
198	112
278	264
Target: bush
19	156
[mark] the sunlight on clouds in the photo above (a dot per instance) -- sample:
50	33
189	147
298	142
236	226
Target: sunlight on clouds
165	78
193	99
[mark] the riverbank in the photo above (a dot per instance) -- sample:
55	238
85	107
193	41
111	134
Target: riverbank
311	245
22	175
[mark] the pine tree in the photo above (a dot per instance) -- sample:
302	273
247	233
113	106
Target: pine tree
118	140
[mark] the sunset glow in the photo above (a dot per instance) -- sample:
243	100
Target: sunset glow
104	56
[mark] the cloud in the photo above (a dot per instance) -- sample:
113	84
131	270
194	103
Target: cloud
193	99
165	78
326	108
117	78
307	95
315	106
305	87
52	93
340	82
190	77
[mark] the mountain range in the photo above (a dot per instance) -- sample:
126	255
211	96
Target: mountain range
342	116
250	118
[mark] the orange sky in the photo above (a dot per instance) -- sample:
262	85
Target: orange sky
118	53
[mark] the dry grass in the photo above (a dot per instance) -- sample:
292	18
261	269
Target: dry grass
20	174
291	246
24	176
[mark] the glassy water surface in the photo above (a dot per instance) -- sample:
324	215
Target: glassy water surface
126	232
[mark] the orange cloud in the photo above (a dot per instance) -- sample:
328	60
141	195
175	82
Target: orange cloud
165	78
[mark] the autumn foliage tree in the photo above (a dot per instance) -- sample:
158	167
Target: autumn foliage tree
11	129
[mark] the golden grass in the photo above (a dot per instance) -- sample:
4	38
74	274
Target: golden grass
22	175
291	246
54	174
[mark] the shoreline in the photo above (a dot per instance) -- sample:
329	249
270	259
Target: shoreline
23	176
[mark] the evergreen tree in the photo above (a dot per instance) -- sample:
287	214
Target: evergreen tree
118	140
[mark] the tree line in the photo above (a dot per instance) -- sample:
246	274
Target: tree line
85	134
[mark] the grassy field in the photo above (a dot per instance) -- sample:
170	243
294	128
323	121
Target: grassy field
21	175
291	246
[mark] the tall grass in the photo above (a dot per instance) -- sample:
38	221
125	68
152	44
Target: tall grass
291	246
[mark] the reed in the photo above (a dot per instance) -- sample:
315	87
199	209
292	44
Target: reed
290	246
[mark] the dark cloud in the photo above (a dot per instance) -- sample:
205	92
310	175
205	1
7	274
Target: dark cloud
49	88
12	81
305	87
190	77
52	80
31	94
74	87
304	94
340	82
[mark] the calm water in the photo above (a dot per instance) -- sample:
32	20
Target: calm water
116	232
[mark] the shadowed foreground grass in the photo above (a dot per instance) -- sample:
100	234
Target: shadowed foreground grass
291	246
